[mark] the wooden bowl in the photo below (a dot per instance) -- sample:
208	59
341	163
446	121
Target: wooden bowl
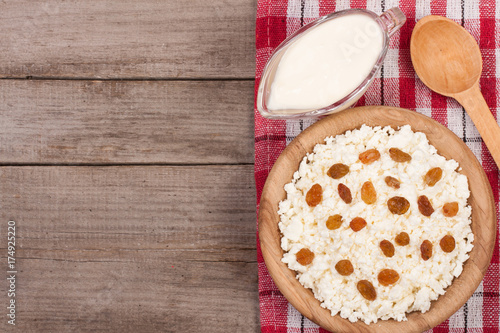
448	145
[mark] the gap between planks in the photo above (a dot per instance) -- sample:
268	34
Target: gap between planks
145	79
120	164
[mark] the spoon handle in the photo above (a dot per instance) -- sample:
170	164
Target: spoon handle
473	102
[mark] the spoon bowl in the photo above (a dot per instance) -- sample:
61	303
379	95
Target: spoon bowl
448	60
445	56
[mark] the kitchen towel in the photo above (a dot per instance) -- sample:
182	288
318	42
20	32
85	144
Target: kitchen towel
396	85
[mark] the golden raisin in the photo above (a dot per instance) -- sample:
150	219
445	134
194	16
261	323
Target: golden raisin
314	195
368	193
357	224
402	239
387	277
369	156
304	256
424	206
398	155
387	248
398	205
433	176
426	249
450	209
392	182
345	193
447	243
338	170
344	267
334	222
367	290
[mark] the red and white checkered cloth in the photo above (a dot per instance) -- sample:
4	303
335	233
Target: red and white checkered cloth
396	85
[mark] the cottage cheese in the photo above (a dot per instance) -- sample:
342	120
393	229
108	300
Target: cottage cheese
420	281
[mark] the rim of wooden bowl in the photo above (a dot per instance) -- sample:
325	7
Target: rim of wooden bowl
450	146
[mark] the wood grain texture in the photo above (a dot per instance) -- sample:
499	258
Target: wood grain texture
132	249
147	291
128	39
448	60
448	145
102	122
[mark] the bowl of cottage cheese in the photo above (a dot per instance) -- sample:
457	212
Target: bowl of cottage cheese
377	218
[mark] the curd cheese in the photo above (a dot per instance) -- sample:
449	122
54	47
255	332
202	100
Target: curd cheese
419	281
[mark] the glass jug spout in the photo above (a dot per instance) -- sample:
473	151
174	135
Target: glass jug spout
393	19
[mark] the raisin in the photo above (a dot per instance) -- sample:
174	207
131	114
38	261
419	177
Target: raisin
433	176
304	257
344	267
398	155
338	170
392	182
357	224
367	290
447	243
426	249
345	193
387	248
402	239
424	206
334	222
387	277
398	205
450	209
369	156
314	195
368	193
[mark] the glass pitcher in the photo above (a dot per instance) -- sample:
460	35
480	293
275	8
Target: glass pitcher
388	22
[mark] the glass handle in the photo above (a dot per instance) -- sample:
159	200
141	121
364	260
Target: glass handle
393	19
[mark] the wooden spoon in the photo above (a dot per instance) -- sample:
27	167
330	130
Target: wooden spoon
447	59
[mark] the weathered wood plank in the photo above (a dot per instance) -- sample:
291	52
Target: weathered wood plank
127	39
132	249
103	122
141	207
153	291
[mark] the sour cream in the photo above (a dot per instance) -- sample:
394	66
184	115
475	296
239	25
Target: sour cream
327	63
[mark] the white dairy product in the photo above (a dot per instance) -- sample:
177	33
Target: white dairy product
326	63
420	281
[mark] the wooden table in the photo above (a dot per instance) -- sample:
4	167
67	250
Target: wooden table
126	149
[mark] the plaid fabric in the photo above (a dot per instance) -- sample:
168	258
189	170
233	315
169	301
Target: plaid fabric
396	85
